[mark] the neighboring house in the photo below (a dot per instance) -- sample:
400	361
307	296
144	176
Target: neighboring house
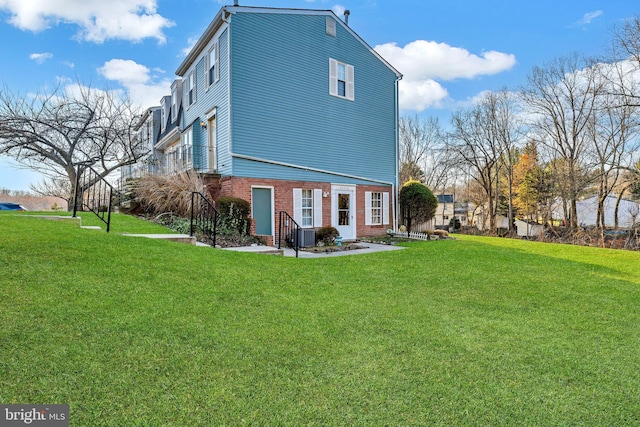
483	223
291	110
528	228
628	212
146	133
446	210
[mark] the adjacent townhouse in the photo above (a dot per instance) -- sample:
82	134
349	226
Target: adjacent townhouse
291	110
145	134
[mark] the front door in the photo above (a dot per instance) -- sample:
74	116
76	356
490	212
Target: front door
343	210
262	210
211	155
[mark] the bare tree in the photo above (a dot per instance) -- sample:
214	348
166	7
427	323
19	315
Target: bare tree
562	96
53	133
625	61
612	131
482	137
422	153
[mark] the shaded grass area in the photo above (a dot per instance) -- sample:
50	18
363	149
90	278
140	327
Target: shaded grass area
473	331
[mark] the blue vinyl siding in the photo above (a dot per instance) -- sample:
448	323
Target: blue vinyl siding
282	109
216	97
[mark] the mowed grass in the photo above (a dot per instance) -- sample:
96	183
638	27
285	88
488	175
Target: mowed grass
474	331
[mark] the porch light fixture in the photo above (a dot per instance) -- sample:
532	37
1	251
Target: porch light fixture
203	124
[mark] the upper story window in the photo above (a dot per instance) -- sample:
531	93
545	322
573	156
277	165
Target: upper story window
341	79
174	104
163	115
191	88
211	66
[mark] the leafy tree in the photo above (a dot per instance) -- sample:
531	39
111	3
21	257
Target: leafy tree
417	203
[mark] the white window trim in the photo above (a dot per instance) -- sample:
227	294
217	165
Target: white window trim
349	82
190	76
368	220
316	208
216	65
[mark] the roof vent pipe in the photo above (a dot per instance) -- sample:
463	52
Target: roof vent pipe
346	16
235	2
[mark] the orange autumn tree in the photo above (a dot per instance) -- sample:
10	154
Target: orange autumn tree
527	176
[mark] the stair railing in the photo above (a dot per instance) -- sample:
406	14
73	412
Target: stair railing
288	232
94	193
204	219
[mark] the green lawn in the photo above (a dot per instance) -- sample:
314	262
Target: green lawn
474	331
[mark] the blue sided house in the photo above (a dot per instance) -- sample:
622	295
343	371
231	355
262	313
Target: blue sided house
291	110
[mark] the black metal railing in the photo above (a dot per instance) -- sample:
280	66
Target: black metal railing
288	232
204	219
93	193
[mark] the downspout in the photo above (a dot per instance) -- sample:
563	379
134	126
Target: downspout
396	186
226	20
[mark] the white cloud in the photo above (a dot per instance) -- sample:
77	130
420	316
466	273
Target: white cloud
191	42
423	63
40	58
143	89
338	9
98	20
590	16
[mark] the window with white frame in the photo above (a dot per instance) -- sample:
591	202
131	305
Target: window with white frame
341	80
211	65
163	115
191	88
307	207
174	103
376	208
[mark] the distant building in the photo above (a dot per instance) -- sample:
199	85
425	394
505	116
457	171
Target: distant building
628	212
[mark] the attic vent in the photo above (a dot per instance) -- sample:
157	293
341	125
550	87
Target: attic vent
331	26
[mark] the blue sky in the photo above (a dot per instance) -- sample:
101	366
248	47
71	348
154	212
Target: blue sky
449	51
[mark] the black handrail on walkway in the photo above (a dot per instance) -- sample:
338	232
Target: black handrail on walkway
204	219
289	232
94	193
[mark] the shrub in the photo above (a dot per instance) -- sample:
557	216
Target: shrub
234	215
159	194
327	235
417	203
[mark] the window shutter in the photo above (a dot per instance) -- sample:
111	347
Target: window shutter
367	208
333	77
317	207
297	205
216	70
350	83
385	208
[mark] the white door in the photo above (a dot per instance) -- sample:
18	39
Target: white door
343	211
211	155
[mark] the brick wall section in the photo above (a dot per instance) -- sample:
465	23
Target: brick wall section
283	197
